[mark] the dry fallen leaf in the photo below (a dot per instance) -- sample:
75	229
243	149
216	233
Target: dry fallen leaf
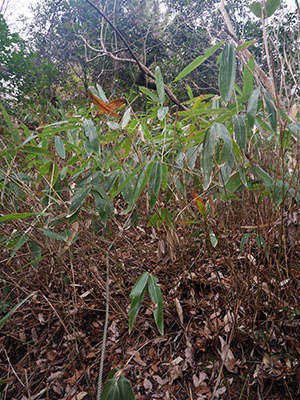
147	384
79	396
227	356
179	310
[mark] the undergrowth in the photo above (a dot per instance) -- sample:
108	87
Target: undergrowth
184	223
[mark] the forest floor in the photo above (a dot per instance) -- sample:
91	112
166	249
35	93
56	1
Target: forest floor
231	316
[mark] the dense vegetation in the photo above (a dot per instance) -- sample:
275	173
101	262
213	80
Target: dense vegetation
149	219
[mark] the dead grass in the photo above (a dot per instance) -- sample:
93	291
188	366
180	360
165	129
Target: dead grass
231	315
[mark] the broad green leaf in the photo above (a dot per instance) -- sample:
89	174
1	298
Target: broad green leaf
159	85
38	151
162	112
212	138
140	185
127	181
10	313
271	110
92	135
240	131
10	217
137	296
103	206
271	7
227	72
60	147
198	61
156	298
54	235
126	392
248	77
252	108
78	199
155	180
150	94
164	179
256	8
111	390
125	118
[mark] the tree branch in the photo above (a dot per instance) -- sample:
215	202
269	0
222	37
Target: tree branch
141	66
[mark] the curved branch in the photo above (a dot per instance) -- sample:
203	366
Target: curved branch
141	66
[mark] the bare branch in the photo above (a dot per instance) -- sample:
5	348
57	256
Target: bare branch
141	66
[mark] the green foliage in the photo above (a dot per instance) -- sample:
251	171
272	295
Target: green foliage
270	7
137	297
116	387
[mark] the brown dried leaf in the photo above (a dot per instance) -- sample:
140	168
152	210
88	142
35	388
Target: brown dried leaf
51	355
175	372
179	310
189	355
227	356
79	396
147	384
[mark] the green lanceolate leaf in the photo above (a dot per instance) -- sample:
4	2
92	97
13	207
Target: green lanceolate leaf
91	134
271	7
159	85
54	235
198	61
271	110
227	72
150	94
38	151
125	118
240	131
111	390
126	392
60	147
245	45
78	199
216	135
248	77
10	217
252	108
137	296
156	298
140	185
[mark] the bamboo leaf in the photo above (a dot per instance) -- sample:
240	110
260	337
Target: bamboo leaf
198	61
137	296
60	147
159	85
227	72
156	298
252	108
240	131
